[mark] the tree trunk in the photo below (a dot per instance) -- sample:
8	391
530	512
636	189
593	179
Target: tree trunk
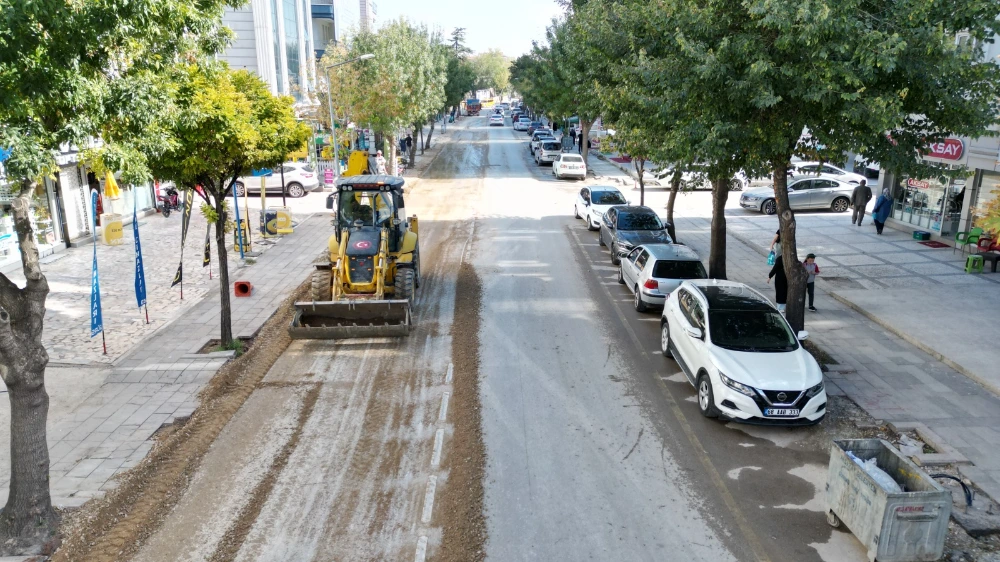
411	150
421	143
640	167
390	165
225	307
795	309
675	186
430	133
28	524
717	255
585	131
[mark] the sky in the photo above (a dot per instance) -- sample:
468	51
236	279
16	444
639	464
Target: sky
487	25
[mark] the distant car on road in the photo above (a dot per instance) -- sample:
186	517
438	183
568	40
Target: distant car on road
522	123
595	200
626	226
815	168
300	178
804	192
569	165
741	355
496	119
653	271
547	152
533	126
540	136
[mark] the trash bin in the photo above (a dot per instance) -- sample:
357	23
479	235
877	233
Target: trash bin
907	526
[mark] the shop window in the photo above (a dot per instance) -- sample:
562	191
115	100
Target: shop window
933	204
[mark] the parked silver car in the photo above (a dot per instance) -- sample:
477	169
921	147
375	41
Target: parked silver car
653	271
804	192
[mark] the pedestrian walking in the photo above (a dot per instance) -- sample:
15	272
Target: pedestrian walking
775	244
813	270
780	283
859	200
380	164
409	146
572	134
883	206
579	147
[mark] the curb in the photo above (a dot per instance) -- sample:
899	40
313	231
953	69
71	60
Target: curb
990	386
946	453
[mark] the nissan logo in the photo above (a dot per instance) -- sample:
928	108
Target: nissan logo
782	397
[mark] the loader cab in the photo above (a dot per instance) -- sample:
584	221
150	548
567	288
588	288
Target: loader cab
369	203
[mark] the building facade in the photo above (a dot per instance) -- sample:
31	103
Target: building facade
368	12
274	38
333	22
942	206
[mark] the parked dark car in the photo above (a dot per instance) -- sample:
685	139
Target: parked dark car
532	126
626	226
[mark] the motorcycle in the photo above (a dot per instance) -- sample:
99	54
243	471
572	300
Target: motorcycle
171	201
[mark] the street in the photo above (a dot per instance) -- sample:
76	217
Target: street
592	443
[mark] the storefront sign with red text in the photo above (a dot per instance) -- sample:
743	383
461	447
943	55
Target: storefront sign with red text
948	149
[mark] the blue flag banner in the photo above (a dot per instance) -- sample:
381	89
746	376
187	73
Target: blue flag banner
140	275
96	320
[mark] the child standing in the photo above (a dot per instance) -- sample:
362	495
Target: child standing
813	270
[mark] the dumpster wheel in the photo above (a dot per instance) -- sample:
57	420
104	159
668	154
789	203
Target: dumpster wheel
832	519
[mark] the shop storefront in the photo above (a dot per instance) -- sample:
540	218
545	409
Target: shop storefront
933	204
44	218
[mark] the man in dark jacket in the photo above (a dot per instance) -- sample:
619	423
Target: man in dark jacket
859	200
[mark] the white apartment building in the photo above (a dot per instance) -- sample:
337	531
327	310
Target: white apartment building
274	38
367	15
333	22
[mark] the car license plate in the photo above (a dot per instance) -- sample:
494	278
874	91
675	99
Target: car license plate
780	412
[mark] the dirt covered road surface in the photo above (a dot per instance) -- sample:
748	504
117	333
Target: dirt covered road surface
528	416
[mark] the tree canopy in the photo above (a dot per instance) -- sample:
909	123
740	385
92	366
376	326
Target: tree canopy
492	70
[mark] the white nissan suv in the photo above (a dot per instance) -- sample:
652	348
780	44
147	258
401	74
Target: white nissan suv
741	355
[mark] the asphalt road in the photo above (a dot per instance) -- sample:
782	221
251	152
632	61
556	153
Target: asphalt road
594	447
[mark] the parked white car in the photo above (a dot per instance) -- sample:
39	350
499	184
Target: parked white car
569	165
300	178
653	271
741	355
595	200
538	137
496	119
522	123
816	168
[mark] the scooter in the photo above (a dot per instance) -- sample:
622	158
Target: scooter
169	202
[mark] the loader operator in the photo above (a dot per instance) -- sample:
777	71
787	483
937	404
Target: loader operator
353	211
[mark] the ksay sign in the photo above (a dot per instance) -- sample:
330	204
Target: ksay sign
948	149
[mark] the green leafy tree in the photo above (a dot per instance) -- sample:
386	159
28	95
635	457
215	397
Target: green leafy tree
457	43
65	70
492	70
402	86
218	125
756	74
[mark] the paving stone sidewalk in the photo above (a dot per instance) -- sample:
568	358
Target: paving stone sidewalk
892	379
158	381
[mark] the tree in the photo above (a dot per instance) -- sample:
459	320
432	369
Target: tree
219	125
755	75
457	43
459	79
492	70
66	69
400	88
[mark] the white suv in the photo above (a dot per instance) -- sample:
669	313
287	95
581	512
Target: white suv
741	355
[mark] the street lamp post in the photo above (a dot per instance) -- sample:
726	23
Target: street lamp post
333	118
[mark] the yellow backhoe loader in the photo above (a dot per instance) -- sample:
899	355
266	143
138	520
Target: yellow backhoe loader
366	287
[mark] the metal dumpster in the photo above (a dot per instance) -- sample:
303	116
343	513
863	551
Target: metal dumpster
894	527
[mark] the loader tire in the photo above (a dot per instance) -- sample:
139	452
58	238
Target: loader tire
322	280
404	283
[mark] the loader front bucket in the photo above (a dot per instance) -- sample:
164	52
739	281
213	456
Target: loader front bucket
334	320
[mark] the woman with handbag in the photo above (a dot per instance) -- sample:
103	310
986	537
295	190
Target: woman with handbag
883	206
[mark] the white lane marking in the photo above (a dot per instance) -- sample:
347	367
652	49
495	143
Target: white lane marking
451	370
425	518
444	407
649	320
734	474
746	445
421	550
816	475
438	443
